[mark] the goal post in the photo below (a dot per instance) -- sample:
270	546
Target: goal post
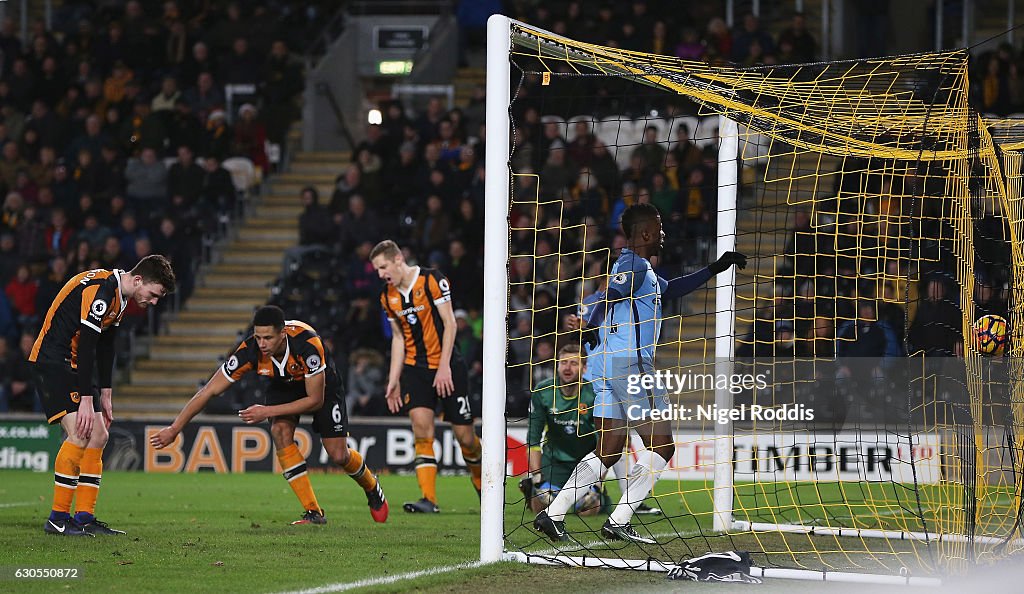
725	319
880	216
496	190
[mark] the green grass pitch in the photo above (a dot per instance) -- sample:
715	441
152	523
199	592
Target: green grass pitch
231	533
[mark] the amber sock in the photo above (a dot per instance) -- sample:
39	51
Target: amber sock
357	469
89	480
295	472
426	468
65	476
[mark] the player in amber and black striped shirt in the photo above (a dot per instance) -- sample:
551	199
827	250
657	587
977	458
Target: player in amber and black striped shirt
303	379
77	338
426	367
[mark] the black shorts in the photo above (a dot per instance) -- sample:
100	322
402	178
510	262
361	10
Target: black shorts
418	392
332	418
58	385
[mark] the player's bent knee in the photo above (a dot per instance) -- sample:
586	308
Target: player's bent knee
99	437
609	449
340	458
282	438
75	440
465	434
664	448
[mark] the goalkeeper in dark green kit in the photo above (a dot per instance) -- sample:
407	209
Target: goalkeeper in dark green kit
561	433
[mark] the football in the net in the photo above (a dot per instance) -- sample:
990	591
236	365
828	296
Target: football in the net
990	334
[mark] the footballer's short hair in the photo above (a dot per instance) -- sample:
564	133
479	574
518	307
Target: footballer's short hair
156	269
269	315
387	248
571	349
636	215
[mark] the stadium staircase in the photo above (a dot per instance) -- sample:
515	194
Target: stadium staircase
211	323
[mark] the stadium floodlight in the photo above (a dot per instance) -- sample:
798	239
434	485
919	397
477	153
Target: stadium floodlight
875	442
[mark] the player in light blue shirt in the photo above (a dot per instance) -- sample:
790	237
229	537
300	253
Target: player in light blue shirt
621	468
627	322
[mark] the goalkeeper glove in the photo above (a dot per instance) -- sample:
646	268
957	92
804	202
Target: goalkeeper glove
526	488
728	259
529	484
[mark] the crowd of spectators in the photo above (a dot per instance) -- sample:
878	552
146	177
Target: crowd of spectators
875	278
996	83
691	31
418	178
114	125
95	109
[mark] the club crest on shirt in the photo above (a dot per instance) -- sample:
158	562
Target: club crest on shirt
98	308
419	293
619	279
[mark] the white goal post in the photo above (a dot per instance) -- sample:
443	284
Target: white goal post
496	192
899	460
496	228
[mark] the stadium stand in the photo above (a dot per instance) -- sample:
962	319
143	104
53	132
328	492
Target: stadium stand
119	140
115	124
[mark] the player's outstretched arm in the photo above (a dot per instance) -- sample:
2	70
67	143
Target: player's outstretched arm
685	285
312	401
217	385
728	259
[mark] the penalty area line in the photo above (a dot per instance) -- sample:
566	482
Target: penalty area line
380	581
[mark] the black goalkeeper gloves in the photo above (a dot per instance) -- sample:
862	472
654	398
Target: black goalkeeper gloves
526	488
530	484
728	259
590	338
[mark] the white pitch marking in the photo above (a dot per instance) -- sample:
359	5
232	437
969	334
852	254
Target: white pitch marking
597	543
380	581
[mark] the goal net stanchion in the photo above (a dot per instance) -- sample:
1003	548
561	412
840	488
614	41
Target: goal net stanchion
856	187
